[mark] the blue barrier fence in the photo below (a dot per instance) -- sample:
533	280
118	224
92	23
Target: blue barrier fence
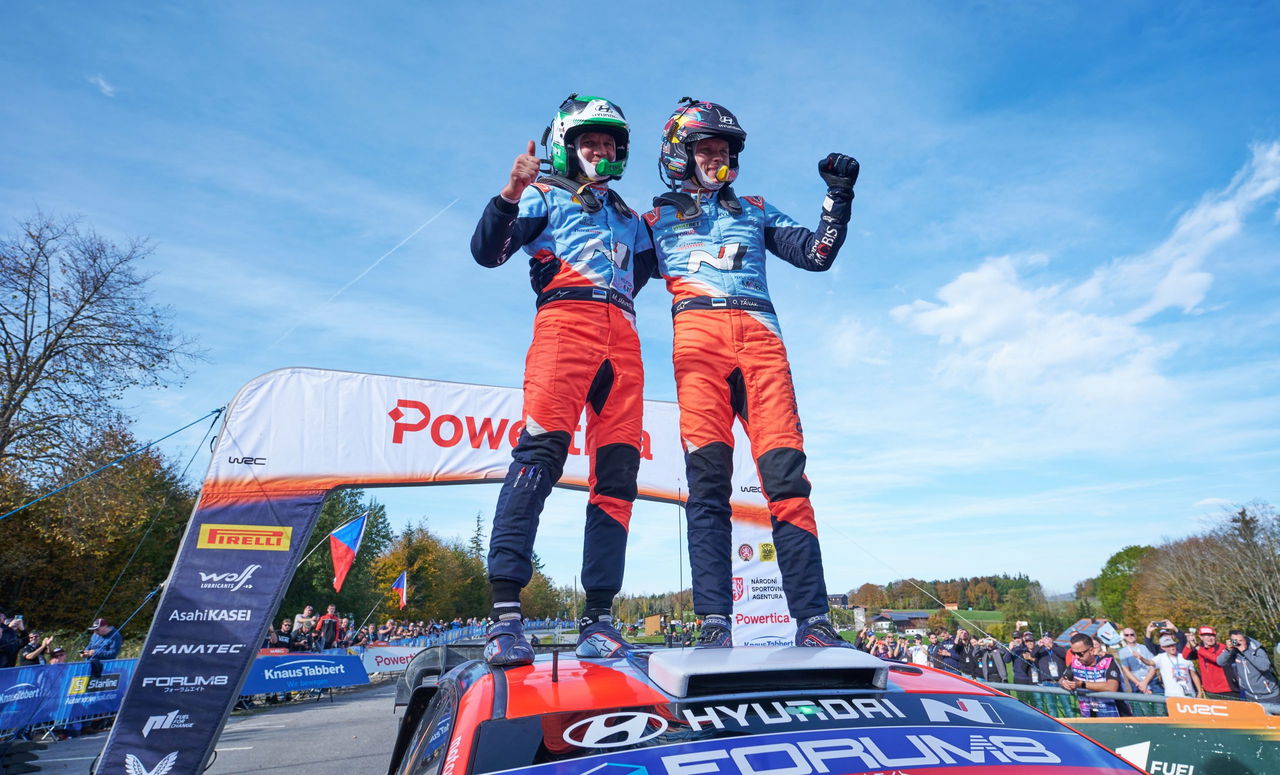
57	695
61	694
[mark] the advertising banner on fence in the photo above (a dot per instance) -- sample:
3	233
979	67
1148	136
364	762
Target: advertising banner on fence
290	437
43	693
388	659
269	675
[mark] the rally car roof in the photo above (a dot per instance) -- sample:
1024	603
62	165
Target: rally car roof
554	684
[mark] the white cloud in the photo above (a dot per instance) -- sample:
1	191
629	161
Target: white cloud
103	85
1082	345
855	343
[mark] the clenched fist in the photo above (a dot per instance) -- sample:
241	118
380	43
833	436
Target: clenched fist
838	170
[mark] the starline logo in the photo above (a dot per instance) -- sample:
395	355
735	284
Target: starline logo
228	581
255	537
450	430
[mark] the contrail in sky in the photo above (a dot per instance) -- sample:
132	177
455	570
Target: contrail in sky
374	265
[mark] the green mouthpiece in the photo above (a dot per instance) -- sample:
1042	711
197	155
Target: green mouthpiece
606	167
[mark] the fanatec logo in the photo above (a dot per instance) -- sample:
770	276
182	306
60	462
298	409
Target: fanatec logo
615	730
228	581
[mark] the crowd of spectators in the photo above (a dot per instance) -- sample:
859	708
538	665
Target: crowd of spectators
308	631
1168	661
23	647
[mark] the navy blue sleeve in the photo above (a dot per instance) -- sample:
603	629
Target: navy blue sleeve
646	263
504	228
814	251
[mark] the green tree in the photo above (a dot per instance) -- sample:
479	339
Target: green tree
477	542
77	329
61	558
870	596
445	579
1115	579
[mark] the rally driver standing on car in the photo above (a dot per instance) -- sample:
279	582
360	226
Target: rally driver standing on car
730	360
585	245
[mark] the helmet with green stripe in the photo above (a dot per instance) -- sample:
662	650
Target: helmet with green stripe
579	114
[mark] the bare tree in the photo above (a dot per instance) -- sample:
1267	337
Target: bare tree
77	329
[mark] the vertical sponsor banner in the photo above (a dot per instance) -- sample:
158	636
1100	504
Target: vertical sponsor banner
287	439
760	616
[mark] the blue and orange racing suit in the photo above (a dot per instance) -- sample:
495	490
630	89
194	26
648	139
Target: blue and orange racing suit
730	362
585	353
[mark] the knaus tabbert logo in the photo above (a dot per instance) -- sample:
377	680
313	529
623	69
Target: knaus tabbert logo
450	430
256	537
614	730
228	581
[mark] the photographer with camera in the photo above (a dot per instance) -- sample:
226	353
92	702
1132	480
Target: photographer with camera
1219	682
1160	628
1253	669
104	644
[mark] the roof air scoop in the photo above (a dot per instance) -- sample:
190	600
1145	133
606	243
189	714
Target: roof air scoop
703	672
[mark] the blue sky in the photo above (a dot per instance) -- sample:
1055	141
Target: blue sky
1051	333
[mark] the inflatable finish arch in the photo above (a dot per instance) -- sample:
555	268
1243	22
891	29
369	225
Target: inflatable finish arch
287	439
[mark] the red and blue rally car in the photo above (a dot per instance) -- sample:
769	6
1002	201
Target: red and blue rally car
742	711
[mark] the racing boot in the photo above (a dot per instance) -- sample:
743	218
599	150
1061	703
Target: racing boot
597	638
506	645
817	631
716	633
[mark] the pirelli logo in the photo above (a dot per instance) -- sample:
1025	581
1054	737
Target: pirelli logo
267	539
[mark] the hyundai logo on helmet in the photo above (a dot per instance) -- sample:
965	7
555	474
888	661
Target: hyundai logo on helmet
615	730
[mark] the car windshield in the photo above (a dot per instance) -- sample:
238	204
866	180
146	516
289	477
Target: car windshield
826	734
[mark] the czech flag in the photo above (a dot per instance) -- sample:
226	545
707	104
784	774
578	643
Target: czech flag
402	584
344	543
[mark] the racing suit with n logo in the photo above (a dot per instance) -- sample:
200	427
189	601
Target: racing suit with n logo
585	353
730	363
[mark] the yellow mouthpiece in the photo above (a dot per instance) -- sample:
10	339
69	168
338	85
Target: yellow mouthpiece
722	174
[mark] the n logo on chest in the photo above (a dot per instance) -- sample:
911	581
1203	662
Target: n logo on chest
729	258
620	255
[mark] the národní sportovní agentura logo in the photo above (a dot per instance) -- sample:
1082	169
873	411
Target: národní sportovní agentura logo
739	588
267	538
229	581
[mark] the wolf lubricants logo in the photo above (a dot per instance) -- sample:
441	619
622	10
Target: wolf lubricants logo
257	537
450	430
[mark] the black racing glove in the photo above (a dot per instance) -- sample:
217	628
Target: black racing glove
839	171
